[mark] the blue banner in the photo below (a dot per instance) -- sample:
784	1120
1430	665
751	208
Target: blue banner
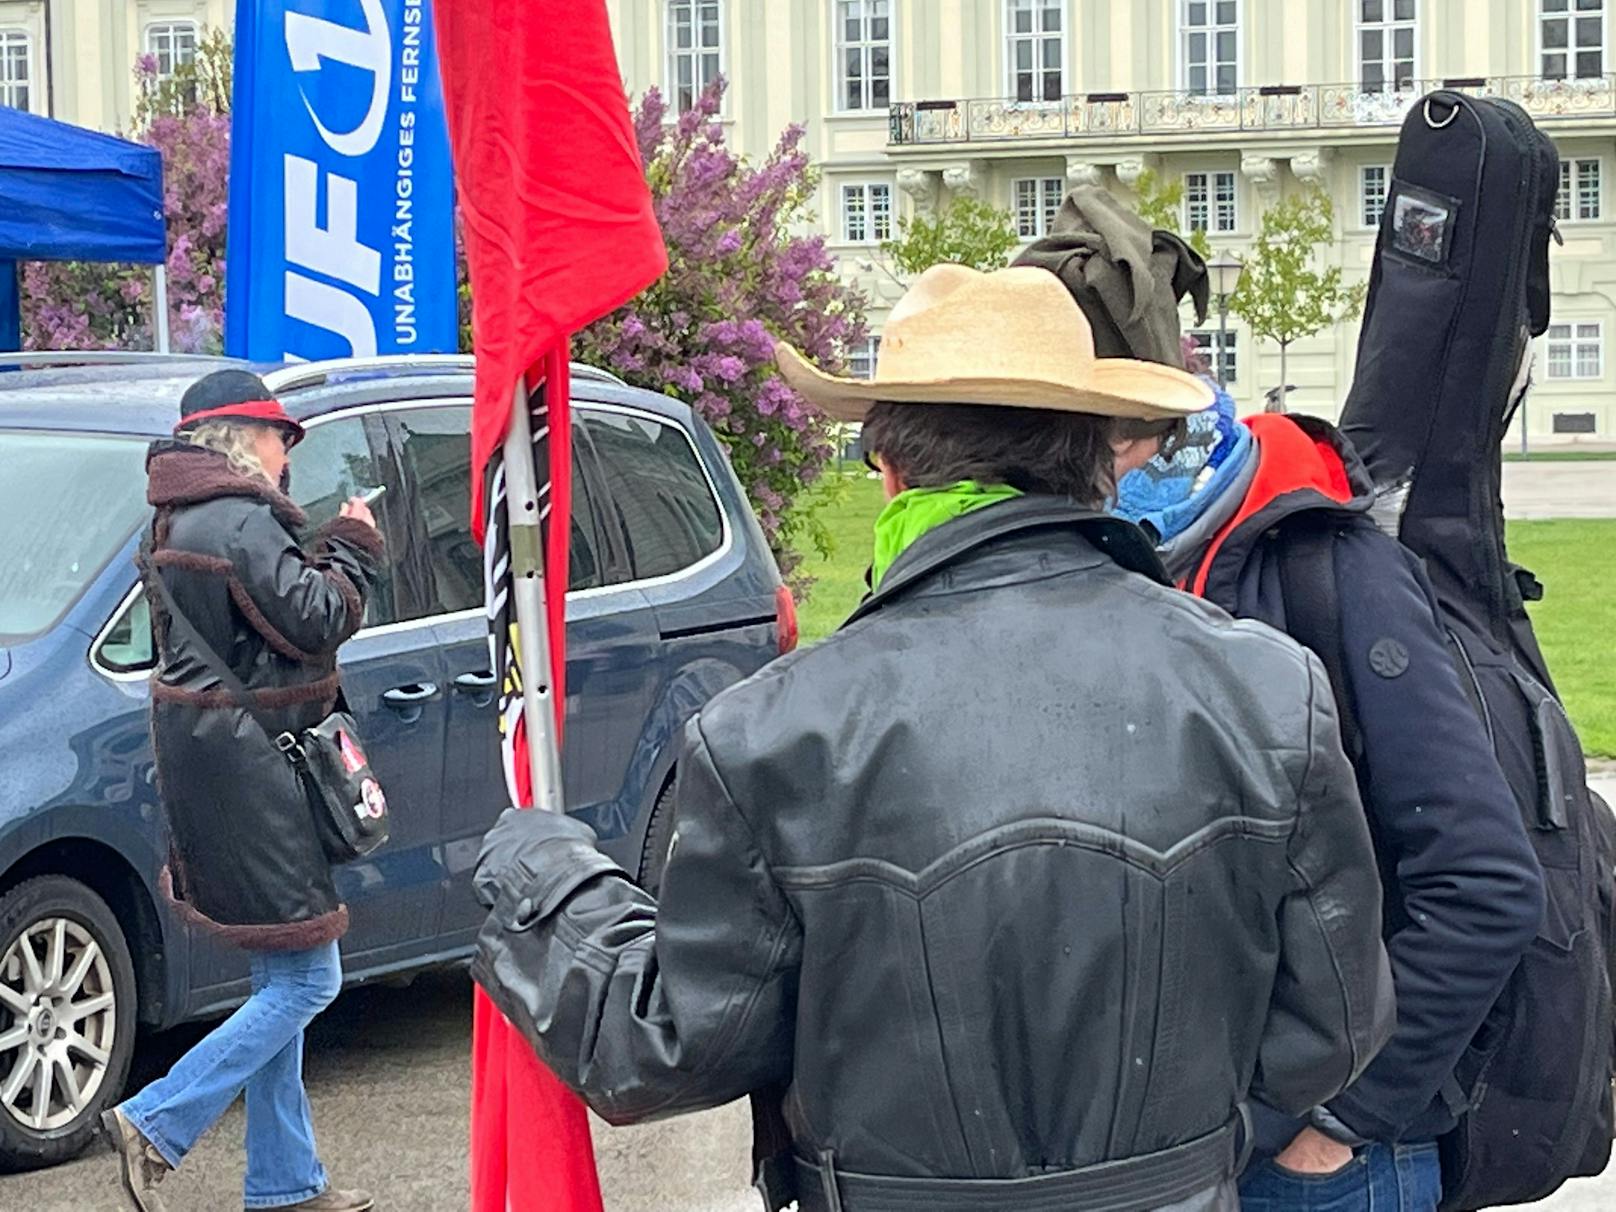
341	235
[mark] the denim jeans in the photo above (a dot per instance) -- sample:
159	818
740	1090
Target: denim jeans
257	1050
1379	1178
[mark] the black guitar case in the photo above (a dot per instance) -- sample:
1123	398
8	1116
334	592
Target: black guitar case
1459	287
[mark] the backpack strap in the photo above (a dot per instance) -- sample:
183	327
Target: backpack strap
1313	615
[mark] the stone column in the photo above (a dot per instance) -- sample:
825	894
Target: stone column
1263	173
921	186
967	179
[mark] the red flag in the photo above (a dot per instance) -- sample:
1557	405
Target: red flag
557	217
559	230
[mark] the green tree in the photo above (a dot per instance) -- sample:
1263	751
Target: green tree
1161	204
968	232
1283	296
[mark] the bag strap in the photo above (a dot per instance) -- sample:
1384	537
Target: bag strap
1313	616
178	619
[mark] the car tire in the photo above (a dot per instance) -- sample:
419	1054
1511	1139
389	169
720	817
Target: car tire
71	1013
658	841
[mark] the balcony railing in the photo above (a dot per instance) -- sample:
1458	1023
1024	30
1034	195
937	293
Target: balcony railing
1278	107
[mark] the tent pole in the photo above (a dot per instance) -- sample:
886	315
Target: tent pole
527	520
161	307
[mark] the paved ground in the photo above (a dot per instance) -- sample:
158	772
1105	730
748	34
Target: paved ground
388	1072
1560	490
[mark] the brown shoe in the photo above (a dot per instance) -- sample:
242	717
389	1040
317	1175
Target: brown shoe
332	1201
142	1165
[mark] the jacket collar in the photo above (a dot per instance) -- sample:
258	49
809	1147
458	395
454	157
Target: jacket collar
179	473
953	543
1304	465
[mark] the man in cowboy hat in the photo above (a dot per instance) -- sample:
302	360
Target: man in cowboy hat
956	878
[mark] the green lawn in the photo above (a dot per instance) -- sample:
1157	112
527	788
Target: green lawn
1576	621
1560	456
839	581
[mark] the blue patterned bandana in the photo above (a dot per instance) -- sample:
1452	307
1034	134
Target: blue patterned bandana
1169	494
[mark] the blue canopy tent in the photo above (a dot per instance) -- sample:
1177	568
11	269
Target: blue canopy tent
70	194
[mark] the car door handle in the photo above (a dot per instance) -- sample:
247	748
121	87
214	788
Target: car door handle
412	695
474	683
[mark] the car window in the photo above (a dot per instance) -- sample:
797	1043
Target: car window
127	646
658	490
337	461
435	452
68	504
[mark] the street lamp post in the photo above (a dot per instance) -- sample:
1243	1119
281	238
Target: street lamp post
1225	273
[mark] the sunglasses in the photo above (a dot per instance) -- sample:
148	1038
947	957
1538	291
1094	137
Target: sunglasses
1172	434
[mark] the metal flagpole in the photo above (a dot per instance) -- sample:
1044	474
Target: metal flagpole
527	515
160	303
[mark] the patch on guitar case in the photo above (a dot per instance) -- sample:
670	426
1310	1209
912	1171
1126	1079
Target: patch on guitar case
1422	223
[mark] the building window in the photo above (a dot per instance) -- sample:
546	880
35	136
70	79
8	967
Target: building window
1211	47
861	358
173	43
1386	30
1219	351
1577	351
1572	36
695	49
1037	49
1209	202
16	68
1580	197
1037	200
866	213
864	54
1373	181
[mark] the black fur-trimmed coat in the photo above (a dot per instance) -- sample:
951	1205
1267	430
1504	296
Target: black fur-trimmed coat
245	860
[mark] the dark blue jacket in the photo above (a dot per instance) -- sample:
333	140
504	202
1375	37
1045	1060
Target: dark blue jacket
1463	891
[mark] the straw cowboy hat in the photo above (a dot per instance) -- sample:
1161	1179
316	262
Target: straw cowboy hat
1014	337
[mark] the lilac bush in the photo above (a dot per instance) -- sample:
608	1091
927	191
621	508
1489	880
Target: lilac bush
740	275
71	305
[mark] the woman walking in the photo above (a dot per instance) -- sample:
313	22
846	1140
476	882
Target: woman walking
236	586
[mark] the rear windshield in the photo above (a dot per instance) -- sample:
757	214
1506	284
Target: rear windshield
68	503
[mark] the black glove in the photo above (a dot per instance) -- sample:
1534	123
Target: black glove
522	848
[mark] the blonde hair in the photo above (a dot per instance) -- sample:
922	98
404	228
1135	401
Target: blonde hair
235	441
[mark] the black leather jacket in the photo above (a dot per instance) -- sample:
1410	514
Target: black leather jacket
245	861
1036	864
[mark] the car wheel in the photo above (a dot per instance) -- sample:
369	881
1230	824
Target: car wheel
658	841
67	1019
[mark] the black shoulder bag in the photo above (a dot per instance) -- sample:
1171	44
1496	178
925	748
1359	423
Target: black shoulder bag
345	797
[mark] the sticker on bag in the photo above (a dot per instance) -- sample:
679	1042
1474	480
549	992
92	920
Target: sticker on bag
372	803
353	758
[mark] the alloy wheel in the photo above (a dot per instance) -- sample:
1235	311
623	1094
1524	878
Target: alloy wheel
58	1021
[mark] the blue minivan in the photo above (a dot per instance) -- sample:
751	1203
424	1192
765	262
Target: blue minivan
673	597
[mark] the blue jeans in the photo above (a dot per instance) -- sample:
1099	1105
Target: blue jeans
257	1050
1379	1178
